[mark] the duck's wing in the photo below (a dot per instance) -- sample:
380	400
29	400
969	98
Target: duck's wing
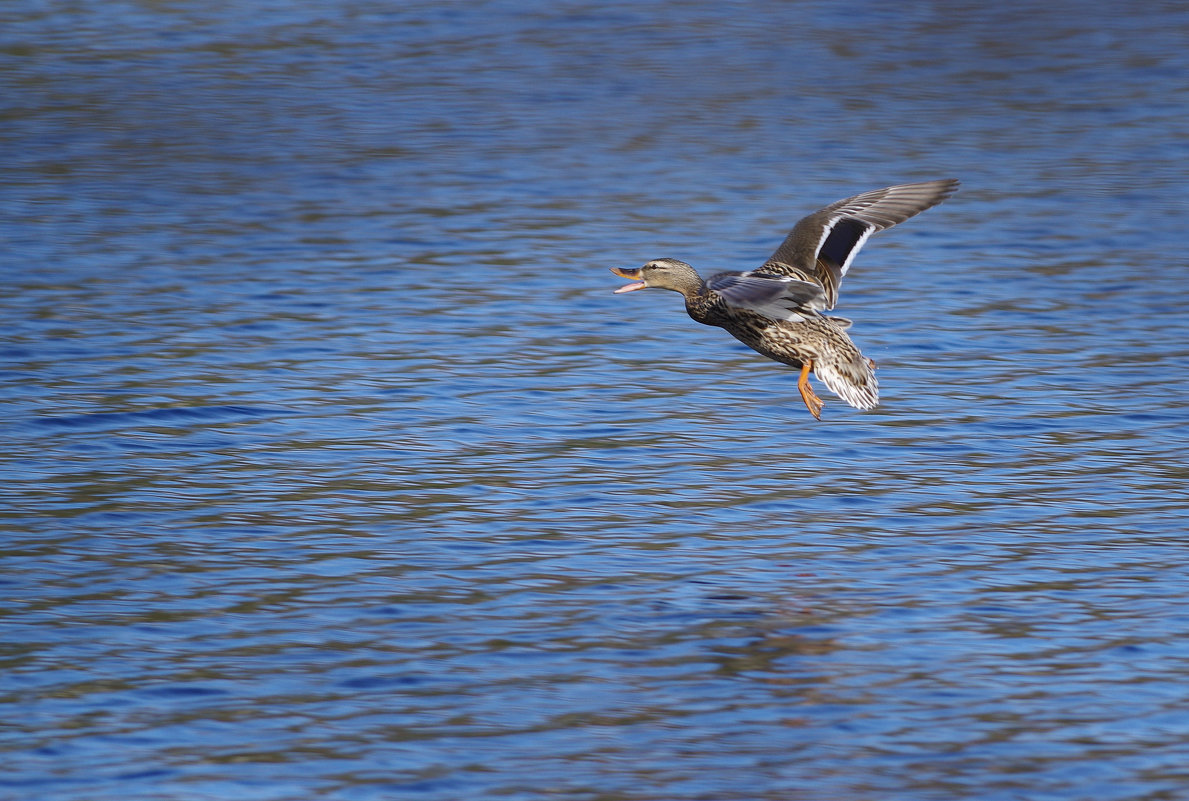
777	297
822	246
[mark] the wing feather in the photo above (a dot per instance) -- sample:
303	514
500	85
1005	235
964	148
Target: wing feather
777	297
821	247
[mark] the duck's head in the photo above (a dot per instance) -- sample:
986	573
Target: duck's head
660	274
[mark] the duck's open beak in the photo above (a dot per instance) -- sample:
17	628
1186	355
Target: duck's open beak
632	274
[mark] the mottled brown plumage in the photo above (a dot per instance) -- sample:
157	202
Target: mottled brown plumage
777	309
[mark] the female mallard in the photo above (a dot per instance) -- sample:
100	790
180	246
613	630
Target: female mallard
777	309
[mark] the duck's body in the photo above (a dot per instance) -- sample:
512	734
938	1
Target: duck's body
777	309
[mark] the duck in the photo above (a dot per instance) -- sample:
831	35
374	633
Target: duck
779	309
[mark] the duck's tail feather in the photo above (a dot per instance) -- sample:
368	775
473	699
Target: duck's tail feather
850	376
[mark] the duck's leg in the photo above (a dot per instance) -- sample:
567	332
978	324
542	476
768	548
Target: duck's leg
812	401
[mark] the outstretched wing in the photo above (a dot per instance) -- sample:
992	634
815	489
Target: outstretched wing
777	297
822	246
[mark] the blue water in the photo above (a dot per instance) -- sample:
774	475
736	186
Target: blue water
333	469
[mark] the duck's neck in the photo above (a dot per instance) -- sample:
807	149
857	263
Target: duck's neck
699	303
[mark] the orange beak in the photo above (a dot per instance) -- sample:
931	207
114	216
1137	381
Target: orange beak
632	274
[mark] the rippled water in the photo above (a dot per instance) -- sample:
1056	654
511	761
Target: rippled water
333	469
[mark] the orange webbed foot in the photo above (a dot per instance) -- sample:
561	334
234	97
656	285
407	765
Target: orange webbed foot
812	402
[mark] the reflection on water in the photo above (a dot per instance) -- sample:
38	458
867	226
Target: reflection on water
334	468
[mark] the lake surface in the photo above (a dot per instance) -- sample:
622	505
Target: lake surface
332	467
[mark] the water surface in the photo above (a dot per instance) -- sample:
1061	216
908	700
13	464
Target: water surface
333	469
